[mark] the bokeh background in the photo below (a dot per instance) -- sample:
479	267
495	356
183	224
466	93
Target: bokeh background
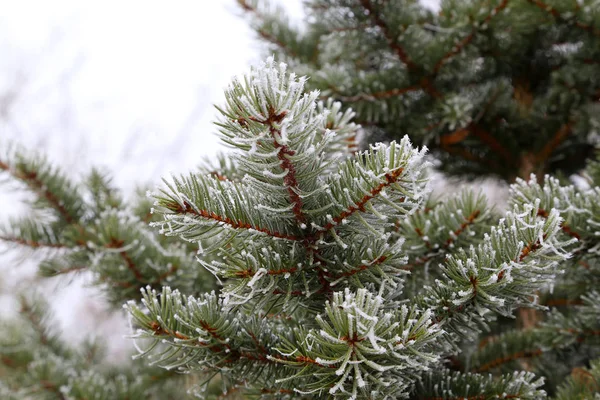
127	85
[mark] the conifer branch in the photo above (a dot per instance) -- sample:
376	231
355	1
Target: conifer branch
508	358
402	55
32	243
283	154
556	14
51	387
115	243
188	209
446	385
559	137
385	94
364	267
264	33
32	180
469	38
389	179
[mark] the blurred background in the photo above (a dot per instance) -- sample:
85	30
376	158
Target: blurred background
124	85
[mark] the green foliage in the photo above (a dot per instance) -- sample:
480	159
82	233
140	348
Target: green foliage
338	275
584	383
446	384
503	87
300	224
42	366
88	226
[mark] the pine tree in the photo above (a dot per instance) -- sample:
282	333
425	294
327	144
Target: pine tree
336	274
503	88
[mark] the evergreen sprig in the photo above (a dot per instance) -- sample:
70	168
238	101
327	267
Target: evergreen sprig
41	365
287	234
88	226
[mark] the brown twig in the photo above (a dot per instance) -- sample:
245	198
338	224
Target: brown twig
188	209
116	244
561	134
388	35
32	243
390	178
467	39
508	358
556	14
364	267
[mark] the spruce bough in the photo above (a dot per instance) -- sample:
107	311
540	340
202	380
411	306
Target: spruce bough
338	275
312	267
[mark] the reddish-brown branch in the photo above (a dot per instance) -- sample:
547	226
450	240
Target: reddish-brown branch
531	247
559	137
249	273
71	269
474	281
166	274
467	39
484	136
508	358
270	38
417	263
36	322
32	180
564	227
556	14
32	243
422	235
246	6
160	331
364	267
284	154
562	302
218	176
50	386
188	209
390	178
259	346
457	232
492	142
469	221
264	34
455	50
466	154
454	137
235	354
212	331
116	244
307	360
229	392
388	35
9	362
385	94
